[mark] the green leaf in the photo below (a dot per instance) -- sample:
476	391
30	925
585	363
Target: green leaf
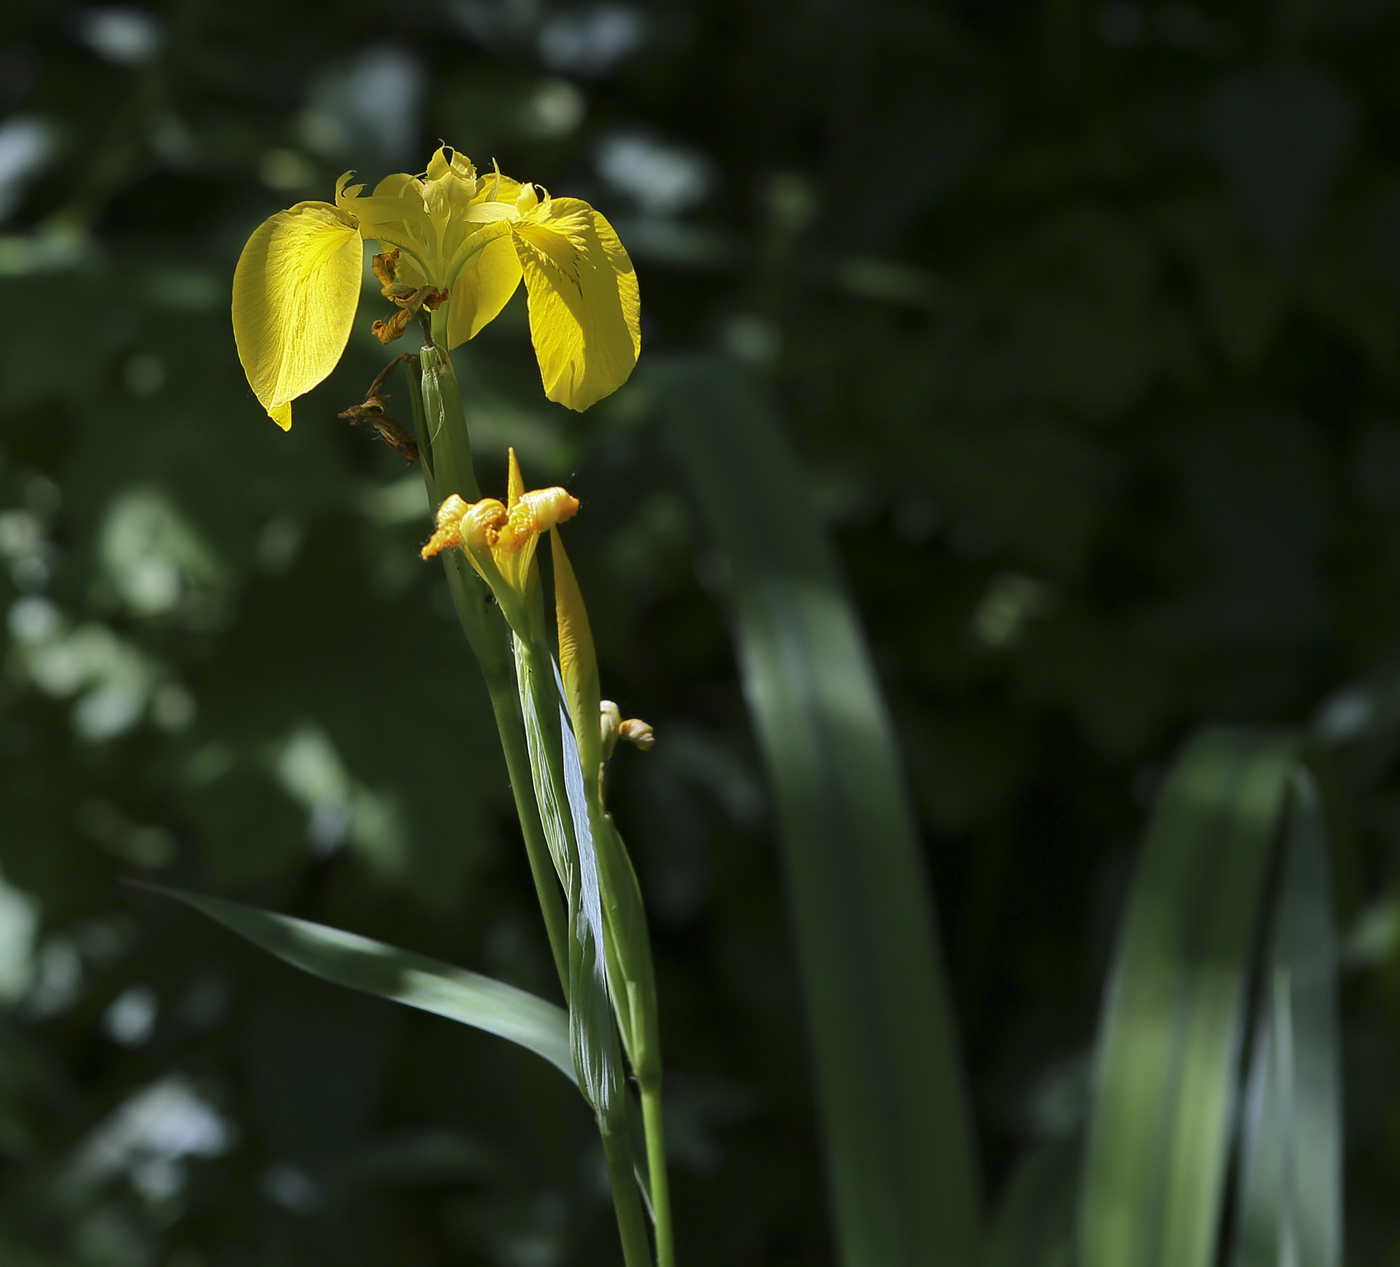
1034	1222
631	982
627	948
590	1004
898	1142
592	1033
534	676
558	783
1169	1042
631	975
1290	1184
428	984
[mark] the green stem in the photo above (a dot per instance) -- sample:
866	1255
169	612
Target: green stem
445	425
656	1168
631	1222
447	467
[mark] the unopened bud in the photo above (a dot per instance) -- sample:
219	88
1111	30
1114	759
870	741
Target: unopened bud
611	722
637	732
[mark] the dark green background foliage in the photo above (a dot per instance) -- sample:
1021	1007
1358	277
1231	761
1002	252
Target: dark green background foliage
1086	321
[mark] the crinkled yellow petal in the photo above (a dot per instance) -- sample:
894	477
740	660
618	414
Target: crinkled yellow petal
530	514
294	295
480	290
584	303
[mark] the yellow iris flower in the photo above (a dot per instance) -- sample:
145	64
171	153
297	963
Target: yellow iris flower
500	540
297	284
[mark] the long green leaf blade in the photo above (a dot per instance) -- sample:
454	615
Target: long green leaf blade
898	1143
1170	1037
593	1037
416	980
1290	1188
590	1007
1034	1221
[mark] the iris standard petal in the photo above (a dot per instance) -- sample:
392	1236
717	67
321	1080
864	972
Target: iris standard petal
294	295
493	187
397	185
584	304
482	287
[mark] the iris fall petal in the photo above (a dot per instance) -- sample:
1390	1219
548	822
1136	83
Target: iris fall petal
584	304
474	237
294	296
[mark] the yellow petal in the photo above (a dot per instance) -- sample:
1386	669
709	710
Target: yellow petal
450	184
454	167
294	295
584	304
489	212
532	514
480	290
496	188
399	185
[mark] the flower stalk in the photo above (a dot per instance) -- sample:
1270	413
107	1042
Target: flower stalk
452	246
489	548
446	458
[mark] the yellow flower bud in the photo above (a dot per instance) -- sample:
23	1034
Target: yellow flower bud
637	732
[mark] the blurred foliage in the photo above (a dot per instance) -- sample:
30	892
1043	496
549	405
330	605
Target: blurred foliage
1085	319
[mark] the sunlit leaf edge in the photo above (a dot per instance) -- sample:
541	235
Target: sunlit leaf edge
360	963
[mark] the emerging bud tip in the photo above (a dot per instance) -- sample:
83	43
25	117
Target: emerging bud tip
637	732
610	723
634	730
